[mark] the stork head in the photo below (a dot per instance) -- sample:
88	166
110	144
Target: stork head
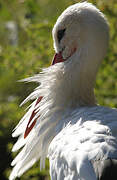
81	28
81	36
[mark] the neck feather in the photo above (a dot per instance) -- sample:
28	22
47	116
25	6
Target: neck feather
71	83
63	86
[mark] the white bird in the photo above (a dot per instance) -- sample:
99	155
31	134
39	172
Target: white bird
64	122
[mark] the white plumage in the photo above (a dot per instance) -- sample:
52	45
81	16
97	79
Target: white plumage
87	138
69	127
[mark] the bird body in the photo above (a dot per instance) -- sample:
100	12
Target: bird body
90	136
64	122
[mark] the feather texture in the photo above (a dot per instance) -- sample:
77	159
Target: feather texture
88	137
69	127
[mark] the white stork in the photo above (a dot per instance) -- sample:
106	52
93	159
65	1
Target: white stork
64	122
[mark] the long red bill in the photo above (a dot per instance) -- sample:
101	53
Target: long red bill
57	59
29	128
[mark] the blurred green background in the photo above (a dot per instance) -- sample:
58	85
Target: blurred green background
25	47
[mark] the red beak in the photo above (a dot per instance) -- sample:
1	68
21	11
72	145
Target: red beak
57	59
29	128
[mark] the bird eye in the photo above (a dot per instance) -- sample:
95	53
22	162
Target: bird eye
60	34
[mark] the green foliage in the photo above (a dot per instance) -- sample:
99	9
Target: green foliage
34	20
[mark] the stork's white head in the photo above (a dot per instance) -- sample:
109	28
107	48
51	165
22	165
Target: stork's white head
81	36
81	26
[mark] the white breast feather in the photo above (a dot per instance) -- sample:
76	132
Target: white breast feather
87	138
91	125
